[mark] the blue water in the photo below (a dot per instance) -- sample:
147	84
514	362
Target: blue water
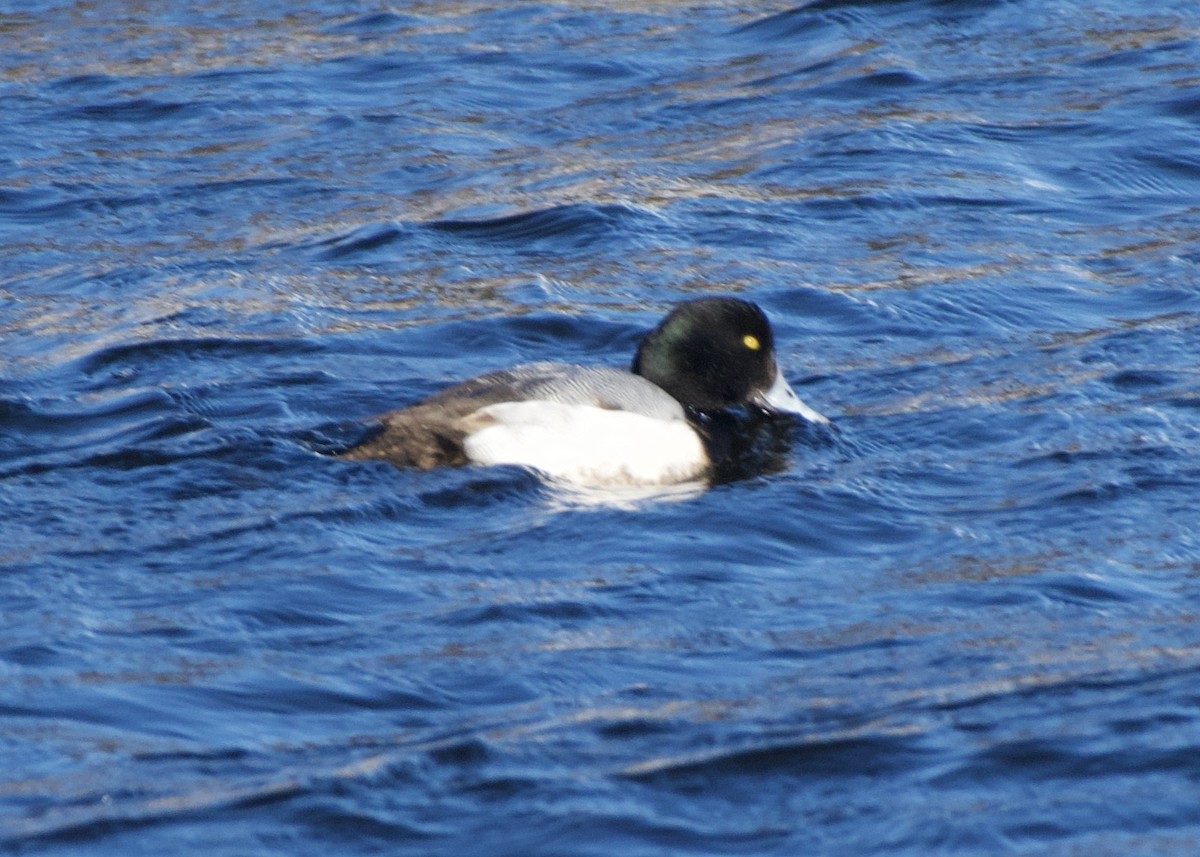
965	622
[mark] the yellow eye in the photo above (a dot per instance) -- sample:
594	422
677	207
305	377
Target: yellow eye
751	342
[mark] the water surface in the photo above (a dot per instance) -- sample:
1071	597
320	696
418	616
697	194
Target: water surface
962	623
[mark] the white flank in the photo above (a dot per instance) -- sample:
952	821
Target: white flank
587	445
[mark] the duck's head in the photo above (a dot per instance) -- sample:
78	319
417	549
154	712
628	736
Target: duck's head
713	354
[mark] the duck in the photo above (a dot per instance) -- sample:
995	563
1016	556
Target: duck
602	426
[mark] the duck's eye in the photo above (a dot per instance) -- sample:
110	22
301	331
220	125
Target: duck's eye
751	342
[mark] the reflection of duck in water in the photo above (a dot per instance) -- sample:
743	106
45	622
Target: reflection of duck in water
600	426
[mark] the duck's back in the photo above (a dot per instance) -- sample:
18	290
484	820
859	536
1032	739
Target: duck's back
612	389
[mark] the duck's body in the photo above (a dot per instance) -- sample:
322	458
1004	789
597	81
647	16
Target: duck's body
602	426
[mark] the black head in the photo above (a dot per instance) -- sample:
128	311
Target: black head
710	354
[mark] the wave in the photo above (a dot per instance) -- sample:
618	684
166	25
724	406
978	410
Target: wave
561	227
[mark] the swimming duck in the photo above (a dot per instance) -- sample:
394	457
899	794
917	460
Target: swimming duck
604	426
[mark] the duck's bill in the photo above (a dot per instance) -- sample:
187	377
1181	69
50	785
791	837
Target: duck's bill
780	398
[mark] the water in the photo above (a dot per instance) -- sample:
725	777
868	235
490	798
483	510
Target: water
964	623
